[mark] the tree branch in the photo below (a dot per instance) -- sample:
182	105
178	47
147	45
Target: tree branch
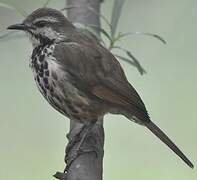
87	166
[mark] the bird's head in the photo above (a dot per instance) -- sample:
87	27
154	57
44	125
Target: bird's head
45	25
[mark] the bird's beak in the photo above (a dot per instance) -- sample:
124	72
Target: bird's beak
21	26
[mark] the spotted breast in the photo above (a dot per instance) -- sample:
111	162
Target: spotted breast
41	65
55	85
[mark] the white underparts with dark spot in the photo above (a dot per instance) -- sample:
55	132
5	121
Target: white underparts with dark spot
54	83
44	65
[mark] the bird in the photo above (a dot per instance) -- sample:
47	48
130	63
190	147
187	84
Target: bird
81	78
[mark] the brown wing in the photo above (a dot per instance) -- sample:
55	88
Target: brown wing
125	96
108	95
101	75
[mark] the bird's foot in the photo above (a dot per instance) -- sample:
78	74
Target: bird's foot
60	176
75	146
74	137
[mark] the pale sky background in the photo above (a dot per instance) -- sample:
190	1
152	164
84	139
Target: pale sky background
33	135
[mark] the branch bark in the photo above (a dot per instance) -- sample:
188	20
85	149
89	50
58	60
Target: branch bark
87	166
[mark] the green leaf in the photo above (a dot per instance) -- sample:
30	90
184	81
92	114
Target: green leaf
4	36
68	7
8	6
89	30
46	3
21	12
144	33
100	15
135	62
102	31
125	59
93	11
158	37
116	12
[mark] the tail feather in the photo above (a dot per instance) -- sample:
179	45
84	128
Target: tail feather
164	138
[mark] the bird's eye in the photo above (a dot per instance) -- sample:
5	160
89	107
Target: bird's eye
40	24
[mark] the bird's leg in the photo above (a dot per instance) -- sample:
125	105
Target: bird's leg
78	141
73	137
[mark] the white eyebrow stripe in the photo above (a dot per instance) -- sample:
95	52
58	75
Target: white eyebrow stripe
51	19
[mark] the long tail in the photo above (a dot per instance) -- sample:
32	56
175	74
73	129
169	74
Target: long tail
164	138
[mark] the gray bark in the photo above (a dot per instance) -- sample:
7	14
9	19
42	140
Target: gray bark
87	166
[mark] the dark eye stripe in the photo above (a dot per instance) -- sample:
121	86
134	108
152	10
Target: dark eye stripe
40	23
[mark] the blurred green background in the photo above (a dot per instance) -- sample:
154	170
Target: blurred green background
33	135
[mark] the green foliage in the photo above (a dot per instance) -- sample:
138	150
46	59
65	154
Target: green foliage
46	3
143	33
67	8
114	38
6	6
130	59
5	36
18	10
8	35
116	12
